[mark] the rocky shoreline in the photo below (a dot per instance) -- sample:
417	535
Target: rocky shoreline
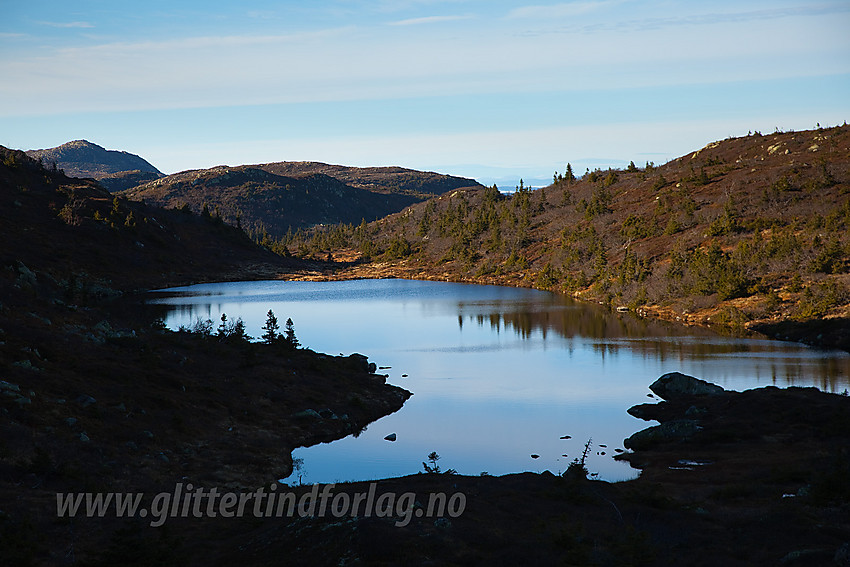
760	479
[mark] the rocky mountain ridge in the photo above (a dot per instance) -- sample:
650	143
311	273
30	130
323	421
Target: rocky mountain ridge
115	169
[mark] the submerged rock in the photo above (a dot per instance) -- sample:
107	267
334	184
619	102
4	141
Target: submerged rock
391	437
676	385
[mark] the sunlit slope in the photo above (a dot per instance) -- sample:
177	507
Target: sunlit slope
744	230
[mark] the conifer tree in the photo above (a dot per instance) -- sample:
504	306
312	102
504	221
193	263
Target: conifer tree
270	328
289	334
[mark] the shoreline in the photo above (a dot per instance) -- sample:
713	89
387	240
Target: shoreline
831	333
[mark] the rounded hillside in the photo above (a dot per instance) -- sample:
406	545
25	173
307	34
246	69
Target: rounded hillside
81	158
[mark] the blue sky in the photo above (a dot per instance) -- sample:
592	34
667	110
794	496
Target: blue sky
495	90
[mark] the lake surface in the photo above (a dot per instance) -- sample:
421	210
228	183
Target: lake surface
497	373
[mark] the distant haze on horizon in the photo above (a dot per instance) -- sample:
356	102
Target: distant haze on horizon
494	90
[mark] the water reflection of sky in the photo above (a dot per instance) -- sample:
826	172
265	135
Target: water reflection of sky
497	373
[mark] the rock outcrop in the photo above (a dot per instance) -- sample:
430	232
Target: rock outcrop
674	385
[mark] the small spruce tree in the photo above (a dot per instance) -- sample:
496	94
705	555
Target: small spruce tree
271	327
238	333
289	334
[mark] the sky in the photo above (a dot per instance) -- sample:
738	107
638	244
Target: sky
496	90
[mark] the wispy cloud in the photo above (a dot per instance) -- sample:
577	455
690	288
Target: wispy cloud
352	62
563	10
262	14
67	24
203	42
402	5
429	20
713	18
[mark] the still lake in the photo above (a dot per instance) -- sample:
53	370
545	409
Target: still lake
497	373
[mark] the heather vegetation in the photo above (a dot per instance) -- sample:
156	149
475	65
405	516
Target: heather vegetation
269	201
747	229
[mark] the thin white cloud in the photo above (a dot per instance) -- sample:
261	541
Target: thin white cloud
428	20
262	14
353	63
200	43
83	25
714	18
402	5
563	10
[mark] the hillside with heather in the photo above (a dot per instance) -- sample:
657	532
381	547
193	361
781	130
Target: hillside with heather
398	180
274	198
745	232
116	170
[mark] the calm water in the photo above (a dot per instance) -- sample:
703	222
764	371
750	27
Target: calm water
498	373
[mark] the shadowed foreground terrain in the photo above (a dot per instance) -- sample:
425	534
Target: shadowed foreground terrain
761	480
96	396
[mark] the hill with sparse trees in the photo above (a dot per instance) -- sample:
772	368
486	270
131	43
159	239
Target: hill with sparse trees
272	199
745	232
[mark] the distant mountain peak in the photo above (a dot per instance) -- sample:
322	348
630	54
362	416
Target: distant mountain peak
81	158
81	144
